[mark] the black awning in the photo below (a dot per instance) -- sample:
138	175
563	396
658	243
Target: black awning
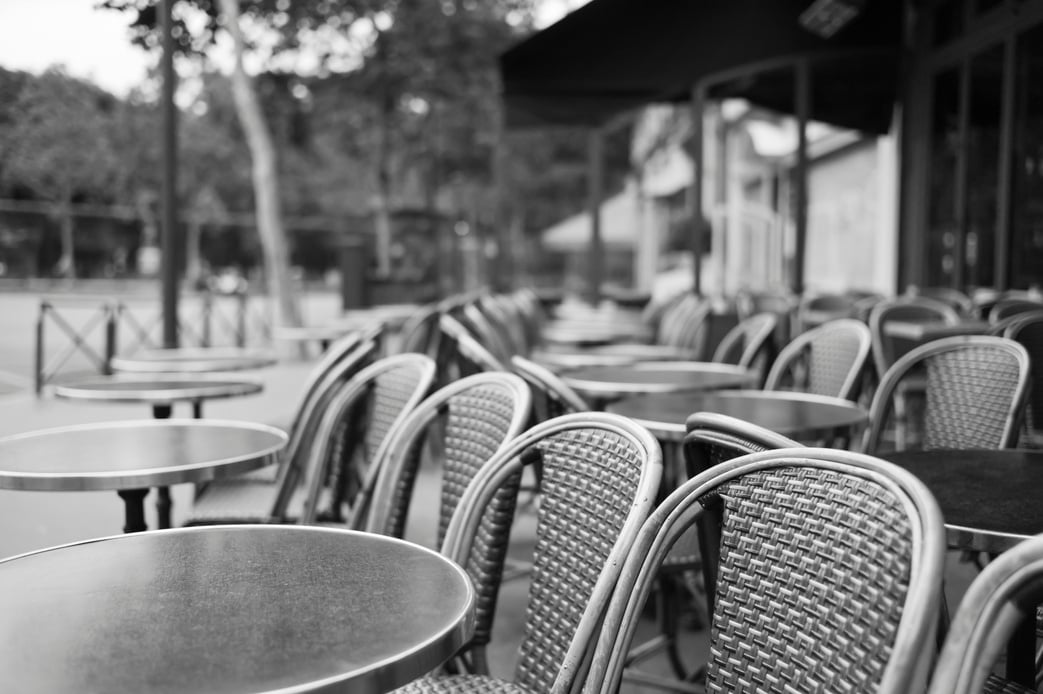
610	56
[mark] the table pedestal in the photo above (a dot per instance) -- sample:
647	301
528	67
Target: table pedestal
134	510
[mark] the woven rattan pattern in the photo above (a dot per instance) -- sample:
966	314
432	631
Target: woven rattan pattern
392	391
998	685
466	684
968	398
833	354
812	582
588	482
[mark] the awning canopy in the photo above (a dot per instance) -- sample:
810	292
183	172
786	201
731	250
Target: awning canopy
610	56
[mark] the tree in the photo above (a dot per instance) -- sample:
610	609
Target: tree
59	145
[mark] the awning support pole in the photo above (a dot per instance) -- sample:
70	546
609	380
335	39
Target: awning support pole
698	104
595	194
168	193
803	102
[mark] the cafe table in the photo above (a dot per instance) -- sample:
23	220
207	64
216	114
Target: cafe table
131	456
603	384
989	501
194	360
230	610
160	391
796	415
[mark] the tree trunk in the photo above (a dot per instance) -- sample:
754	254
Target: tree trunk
67	261
265	179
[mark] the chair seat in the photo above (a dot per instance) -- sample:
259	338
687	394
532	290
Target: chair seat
461	684
234	501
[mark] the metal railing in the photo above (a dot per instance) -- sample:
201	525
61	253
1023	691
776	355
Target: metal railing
91	330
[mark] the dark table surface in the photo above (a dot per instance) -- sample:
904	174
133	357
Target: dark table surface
604	383
989	498
229	609
795	415
194	360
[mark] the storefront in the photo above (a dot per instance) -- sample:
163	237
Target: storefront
972	175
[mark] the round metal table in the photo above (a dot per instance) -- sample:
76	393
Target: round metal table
160	391
987	497
131	456
611	355
601	384
797	415
230	609
194	360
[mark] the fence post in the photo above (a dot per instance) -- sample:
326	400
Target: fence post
112	310
240	336
207	311
38	371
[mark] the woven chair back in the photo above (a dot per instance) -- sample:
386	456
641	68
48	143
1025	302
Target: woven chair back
1005	308
490	335
828	580
684	325
1001	598
827	360
903	309
976	388
750	344
420	331
505	315
368	408
1027	330
473	418
460	354
954	298
601	473
551	396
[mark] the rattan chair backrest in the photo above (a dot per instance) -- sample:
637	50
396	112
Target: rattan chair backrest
460	354
601	474
829	580
551	396
419	334
1027	330
910	308
685	325
1000	599
366	409
826	360
473	418
491	336
1009	307
976	389
508	320
750	344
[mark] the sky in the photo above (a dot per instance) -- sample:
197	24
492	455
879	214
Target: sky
90	43
94	44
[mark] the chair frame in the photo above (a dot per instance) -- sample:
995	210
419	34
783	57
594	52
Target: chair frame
913	644
458	343
557	397
883	354
311	474
792	352
507	464
889	382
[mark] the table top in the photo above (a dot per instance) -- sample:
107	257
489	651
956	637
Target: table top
230	609
593	332
924	331
135	454
656	377
194	360
611	355
988	497
791	414
156	389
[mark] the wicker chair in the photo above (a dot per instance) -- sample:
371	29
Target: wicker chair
488	333
750	344
460	354
975	392
829	580
601	476
551	396
1027	330
827	360
903	309
711	439
1006	307
953	298
474	417
419	333
317	395
355	422
1002	597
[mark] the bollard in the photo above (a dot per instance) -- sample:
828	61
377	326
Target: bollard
38	371
112	318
